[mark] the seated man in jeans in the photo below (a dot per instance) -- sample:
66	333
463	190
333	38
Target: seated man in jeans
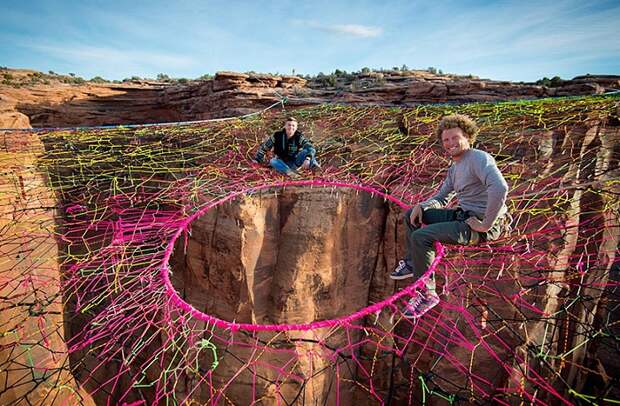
481	193
292	150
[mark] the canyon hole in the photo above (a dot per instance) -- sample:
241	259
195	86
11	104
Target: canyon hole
289	255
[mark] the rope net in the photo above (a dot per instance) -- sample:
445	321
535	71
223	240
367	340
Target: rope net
122	283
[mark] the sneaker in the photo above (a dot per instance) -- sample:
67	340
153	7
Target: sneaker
420	304
402	271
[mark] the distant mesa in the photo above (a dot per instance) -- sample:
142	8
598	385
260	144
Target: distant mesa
31	98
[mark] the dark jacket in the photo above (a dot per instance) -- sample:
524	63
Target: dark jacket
285	148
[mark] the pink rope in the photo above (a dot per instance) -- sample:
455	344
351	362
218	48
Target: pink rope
177	301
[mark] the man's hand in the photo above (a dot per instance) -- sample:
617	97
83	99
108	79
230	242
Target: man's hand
306	164
416	215
476	225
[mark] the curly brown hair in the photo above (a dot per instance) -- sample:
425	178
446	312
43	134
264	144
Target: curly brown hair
465	123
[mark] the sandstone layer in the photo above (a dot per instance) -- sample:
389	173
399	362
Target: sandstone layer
231	94
289	256
34	365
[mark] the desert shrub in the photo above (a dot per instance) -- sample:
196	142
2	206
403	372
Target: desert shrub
98	79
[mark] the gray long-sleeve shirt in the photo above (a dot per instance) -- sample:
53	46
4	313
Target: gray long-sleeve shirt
478	184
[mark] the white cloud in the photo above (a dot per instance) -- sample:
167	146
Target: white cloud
354	30
363	31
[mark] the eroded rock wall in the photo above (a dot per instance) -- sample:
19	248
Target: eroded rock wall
306	255
34	365
231	94
287	256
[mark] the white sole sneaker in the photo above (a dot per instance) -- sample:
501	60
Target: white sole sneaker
400	277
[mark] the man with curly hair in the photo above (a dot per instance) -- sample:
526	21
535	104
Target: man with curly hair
480	191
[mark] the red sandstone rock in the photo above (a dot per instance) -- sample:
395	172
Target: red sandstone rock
291	81
14	119
579	89
269	259
33	353
242	250
229	80
59	104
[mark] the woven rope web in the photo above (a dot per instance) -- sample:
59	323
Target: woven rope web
528	318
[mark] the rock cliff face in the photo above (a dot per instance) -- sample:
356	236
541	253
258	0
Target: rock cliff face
232	94
33	355
289	257
71	105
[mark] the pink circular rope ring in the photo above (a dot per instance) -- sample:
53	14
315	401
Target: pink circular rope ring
345	320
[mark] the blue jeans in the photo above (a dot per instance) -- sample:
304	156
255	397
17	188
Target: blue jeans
284	166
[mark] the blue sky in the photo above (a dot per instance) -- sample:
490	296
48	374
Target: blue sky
503	40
